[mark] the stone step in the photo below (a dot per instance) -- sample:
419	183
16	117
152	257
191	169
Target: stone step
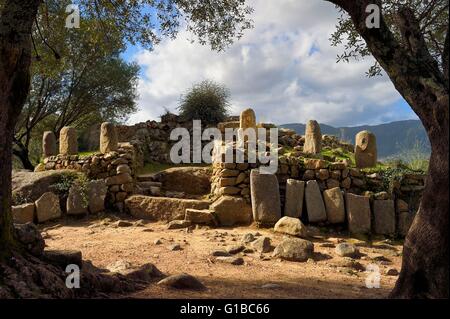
146	178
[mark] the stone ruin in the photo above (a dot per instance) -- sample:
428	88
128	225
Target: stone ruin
313	190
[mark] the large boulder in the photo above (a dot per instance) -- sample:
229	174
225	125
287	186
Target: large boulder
48	144
295	190
384	217
294	249
291	226
190	180
334	204
358	212
231	210
24	213
29	186
68	144
96	195
314	203
108	138
365	149
265	196
161	208
47	207
77	201
313	138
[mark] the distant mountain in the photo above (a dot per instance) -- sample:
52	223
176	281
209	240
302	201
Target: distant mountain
392	138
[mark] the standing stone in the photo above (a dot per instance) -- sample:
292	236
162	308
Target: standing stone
358	212
77	201
265	196
47	207
314	203
334	204
295	191
384	217
96	196
365	149
247	119
313	138
68	144
48	144
108	138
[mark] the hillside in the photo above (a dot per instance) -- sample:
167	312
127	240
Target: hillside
392	138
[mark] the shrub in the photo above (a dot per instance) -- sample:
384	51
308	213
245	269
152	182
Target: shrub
206	101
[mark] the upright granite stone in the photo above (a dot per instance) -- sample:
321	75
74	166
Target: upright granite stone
68	144
295	191
384	217
314	203
77	201
96	195
404	217
358	212
47	207
48	144
108	138
365	149
313	138
247	119
265	196
334	204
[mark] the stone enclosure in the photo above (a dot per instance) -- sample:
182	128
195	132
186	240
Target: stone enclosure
308	188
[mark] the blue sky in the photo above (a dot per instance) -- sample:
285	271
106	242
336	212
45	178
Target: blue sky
284	68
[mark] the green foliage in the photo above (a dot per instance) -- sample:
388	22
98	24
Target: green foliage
432	17
338	154
206	101
65	181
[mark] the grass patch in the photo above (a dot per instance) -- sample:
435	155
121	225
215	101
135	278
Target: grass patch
338	154
87	153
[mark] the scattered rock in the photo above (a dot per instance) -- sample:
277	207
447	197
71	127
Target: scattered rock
346	250
182	281
294	249
119	266
179	224
122	223
220	253
157	242
236	249
392	272
262	244
248	238
237	261
291	226
175	247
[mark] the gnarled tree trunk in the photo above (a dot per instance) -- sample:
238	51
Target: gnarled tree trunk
16	21
418	78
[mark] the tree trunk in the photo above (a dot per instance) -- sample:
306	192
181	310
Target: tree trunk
16	21
22	154
425	269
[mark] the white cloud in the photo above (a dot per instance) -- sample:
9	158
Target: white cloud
285	68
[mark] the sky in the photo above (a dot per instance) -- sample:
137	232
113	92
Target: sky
285	69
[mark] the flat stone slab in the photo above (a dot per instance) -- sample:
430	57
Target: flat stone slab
295	191
161	208
314	203
265	195
384	217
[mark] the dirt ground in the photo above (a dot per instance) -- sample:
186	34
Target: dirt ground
326	275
